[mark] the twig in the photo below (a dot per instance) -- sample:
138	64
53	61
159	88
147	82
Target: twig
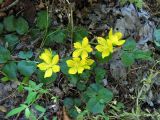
9	6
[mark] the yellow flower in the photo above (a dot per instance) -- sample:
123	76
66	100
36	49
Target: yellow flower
104	46
82	49
116	38
88	63
49	64
76	66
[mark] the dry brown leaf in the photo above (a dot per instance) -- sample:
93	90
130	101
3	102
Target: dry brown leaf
65	116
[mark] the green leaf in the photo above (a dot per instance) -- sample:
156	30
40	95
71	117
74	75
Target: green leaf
27	112
9	23
4	79
12	40
43	20
104	95
25	54
79	33
100	74
10	69
130	44
73	79
85	75
15	111
63	65
127	58
26	68
21	26
140	54
57	36
1	28
4	55
40	108
41	78
68	102
95	106
31	97
157	37
1	1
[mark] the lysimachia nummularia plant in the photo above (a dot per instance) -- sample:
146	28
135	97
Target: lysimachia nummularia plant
49	64
80	60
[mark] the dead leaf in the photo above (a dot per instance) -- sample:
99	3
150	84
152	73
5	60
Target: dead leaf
65	116
3	109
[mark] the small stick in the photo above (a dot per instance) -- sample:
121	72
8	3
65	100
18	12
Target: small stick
9	6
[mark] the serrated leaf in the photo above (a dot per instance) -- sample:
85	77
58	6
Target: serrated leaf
15	111
31	97
1	28
27	112
40	108
43	20
129	45
5	55
21	26
26	68
9	23
25	54
127	58
10	69
12	40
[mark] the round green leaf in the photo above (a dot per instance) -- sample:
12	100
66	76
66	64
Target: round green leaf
1	28
127	58
4	54
43	20
21	26
26	68
9	23
25	55
10	70
12	40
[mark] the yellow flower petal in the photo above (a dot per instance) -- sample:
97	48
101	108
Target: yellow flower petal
119	35
77	45
99	48
105	53
110	46
88	48
48	73
55	60
56	68
46	55
120	42
90	62
72	71
80	70
101	41
85	41
84	54
76	59
70	63
76	53
110	33
42	66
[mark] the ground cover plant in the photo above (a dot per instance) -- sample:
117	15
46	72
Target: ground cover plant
84	60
